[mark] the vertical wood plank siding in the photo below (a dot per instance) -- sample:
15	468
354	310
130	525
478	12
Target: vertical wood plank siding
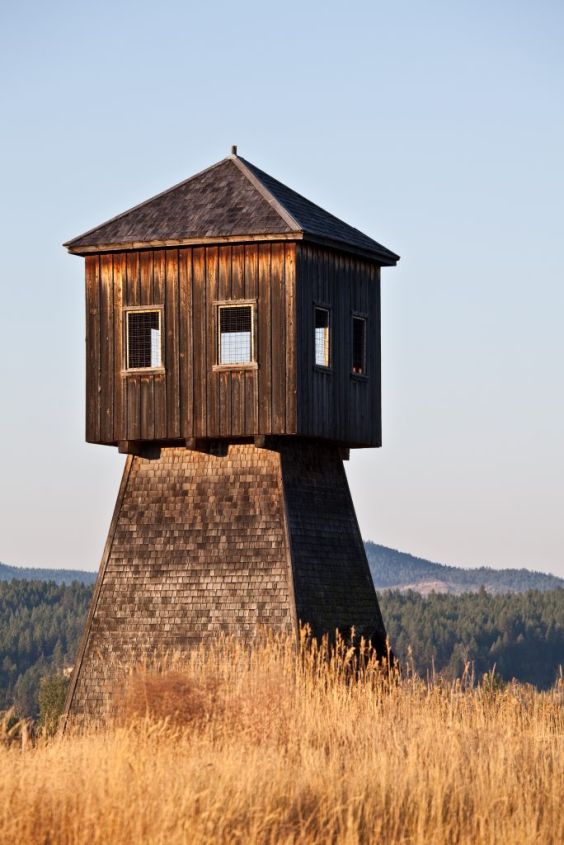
190	399
93	357
334	404
285	394
106	346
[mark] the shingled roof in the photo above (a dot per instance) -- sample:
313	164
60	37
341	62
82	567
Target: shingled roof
232	200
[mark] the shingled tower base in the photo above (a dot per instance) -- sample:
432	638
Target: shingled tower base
203	543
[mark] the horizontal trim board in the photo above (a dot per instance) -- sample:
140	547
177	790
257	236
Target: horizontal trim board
212	241
382	259
221	368
144	371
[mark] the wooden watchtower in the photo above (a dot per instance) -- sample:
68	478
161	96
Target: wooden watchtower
233	351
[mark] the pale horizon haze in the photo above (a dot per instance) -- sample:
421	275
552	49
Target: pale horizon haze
435	127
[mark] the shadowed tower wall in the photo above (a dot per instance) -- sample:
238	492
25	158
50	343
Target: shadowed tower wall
202	544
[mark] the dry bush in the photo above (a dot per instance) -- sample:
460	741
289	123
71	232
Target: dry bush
266	745
166	696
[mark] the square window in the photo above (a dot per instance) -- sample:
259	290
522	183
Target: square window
235	334
321	337
359	346
144	340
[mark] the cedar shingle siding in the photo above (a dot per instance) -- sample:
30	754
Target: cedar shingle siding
199	547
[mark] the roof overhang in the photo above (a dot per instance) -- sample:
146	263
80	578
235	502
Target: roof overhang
385	258
171	243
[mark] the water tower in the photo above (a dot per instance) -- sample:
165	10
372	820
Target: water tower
233	353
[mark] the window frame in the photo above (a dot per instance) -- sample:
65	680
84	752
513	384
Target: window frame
141	309
358	315
324	368
218	305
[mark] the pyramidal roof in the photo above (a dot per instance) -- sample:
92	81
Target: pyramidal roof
230	201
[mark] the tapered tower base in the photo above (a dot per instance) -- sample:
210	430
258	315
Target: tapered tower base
229	542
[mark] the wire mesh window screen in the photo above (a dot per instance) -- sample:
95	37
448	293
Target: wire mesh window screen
359	346
235	334
322	337
143	339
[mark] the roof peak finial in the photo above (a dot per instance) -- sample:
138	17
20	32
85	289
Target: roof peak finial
234	149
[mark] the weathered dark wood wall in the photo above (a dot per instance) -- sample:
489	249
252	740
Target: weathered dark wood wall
283	394
190	398
334	403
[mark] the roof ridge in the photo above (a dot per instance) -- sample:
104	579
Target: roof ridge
146	202
288	218
318	208
303	197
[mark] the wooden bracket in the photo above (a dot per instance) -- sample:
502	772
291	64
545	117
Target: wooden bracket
260	441
130	447
196	444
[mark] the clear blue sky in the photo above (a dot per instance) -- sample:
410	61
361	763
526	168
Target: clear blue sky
435	127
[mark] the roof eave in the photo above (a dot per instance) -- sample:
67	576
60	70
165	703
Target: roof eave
384	257
127	246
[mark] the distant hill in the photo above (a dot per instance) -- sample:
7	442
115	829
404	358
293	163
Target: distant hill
59	576
393	570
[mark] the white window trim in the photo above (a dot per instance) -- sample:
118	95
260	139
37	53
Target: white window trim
143	309
235	303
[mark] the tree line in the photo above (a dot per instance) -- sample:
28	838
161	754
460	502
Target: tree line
40	627
520	634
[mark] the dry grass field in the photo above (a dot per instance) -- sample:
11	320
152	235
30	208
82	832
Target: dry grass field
263	747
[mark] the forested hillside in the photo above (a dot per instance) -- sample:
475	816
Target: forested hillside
59	576
398	570
40	627
522	635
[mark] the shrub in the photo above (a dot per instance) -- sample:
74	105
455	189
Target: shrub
51	698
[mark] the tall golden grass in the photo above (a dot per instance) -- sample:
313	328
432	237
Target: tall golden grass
267	746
